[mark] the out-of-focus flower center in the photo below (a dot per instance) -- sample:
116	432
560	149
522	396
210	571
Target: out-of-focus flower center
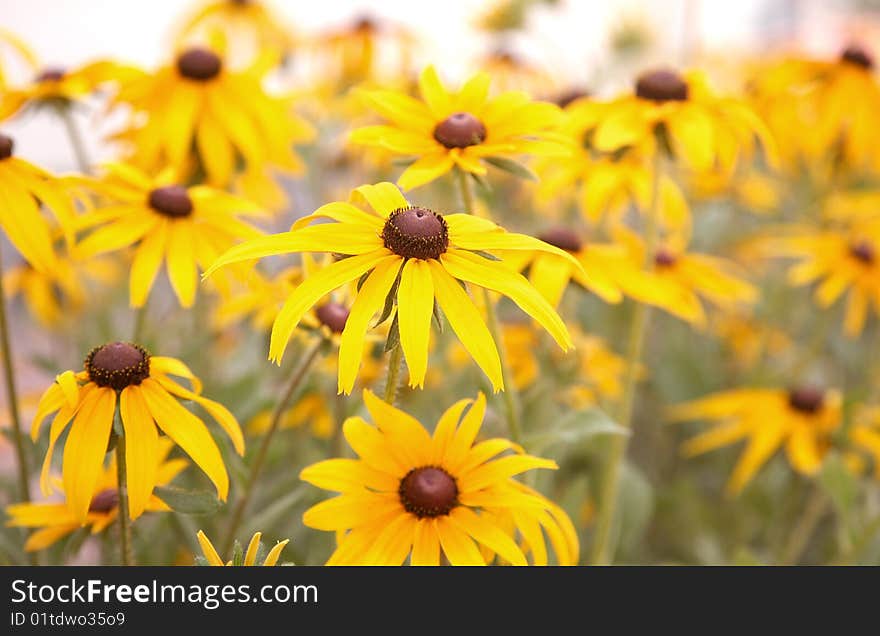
171	201
806	399
662	86
51	74
864	252
664	258
333	316
855	54
416	232
199	64
6	147
460	130
365	24
564	99
105	501
118	365
428	492
563	238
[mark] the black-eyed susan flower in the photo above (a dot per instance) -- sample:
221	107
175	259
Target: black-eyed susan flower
201	114
705	130
801	419
57	520
411	255
846	261
445	129
51	87
187	228
411	494
124	376
252	556
23	188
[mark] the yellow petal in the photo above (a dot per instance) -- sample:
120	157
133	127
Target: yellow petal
415	310
141	449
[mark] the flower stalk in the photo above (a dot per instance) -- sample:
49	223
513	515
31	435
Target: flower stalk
126	549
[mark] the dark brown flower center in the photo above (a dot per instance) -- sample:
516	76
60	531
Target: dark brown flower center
365	24
564	99
51	74
118	365
563	238
428	492
171	201
199	64
416	232
6	147
864	252
664	258
460	130
662	86
105	501
806	399
333	315
858	55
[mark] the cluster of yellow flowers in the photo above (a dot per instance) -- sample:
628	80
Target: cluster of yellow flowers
611	193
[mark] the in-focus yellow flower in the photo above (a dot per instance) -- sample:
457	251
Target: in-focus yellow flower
446	130
188	228
125	375
310	409
249	557
844	260
202	115
56	520
410	254
23	188
706	131
410	494
61	293
680	279
802	419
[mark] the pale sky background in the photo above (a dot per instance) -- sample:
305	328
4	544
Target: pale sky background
569	39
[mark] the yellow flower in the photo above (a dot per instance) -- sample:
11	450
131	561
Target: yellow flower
680	279
10	42
201	114
801	418
186	227
410	494
51	296
23	187
520	341
249	558
706	131
57	520
749	339
311	409
56	87
510	72
599	372
126	376
843	260
864	434
447	130
410	254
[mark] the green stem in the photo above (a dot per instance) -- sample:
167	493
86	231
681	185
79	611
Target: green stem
277	414
75	138
124	519
392	379
816	507
339	412
602	551
12	398
510	394
140	319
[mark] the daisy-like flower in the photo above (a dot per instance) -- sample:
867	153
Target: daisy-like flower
52	87
680	279
185	227
464	129
801	418
846	261
411	255
199	113
124	375
410	494
55	520
706	131
23	188
253	555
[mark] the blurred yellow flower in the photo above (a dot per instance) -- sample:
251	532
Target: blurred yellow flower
410	494
460	129
802	419
9	42
249	557
125	375
311	409
52	87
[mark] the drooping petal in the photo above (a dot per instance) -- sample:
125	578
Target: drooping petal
141	449
415	309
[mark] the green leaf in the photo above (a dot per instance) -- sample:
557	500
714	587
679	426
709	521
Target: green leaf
438	316
481	182
636	506
393	336
237	554
188	502
573	428
389	300
202	561
486	255
839	484
513	167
